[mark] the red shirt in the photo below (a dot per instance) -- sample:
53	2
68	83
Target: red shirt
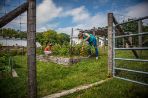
46	49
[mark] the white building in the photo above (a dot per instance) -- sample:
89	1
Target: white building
100	43
15	42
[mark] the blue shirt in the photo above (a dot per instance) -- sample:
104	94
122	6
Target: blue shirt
91	39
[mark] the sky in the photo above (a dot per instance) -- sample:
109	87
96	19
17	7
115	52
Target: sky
63	15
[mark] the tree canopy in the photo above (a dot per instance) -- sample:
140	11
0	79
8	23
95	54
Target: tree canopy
49	36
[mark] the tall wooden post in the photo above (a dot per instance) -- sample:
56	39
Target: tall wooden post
31	47
71	42
140	36
140	31
110	44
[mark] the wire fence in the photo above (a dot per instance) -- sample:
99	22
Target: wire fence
13	36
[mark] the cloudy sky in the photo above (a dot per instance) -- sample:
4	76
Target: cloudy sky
62	15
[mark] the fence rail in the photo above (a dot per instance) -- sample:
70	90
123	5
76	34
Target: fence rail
132	48
130	80
121	36
138	48
137	60
142	18
130	70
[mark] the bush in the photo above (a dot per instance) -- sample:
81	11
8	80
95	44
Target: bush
67	50
5	69
61	50
21	51
39	50
6	62
13	51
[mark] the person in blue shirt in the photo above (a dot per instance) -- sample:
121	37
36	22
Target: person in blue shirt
91	39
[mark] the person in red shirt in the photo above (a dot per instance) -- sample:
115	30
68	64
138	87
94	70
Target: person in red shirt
47	49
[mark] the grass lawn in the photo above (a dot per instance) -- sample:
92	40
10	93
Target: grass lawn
53	78
114	88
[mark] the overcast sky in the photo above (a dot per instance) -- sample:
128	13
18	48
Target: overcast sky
62	15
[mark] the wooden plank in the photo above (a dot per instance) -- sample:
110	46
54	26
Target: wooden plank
76	89
13	14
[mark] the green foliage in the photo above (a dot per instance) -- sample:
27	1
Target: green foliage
4	60
44	38
39	51
76	49
68	50
61	50
53	78
8	32
113	88
131	26
13	52
145	28
4	63
52	36
5	69
39	38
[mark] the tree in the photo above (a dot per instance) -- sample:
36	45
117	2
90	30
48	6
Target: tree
131	26
52	36
8	32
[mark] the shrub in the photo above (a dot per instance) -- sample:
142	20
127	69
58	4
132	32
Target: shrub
67	50
61	50
4	63
39	50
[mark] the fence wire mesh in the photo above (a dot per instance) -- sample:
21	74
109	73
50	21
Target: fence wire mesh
13	36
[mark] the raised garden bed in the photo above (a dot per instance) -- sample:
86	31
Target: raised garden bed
60	60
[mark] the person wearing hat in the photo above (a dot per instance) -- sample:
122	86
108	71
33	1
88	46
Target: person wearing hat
91	39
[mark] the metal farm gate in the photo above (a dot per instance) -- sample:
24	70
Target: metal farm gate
130	51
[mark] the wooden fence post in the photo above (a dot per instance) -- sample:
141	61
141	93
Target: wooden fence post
140	36
110	44
31	47
71	43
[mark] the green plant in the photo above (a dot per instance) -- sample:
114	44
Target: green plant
5	68
75	50
39	51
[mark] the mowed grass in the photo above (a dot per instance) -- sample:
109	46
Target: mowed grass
52	78
114	88
133	65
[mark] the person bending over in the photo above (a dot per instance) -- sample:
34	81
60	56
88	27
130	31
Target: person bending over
91	39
